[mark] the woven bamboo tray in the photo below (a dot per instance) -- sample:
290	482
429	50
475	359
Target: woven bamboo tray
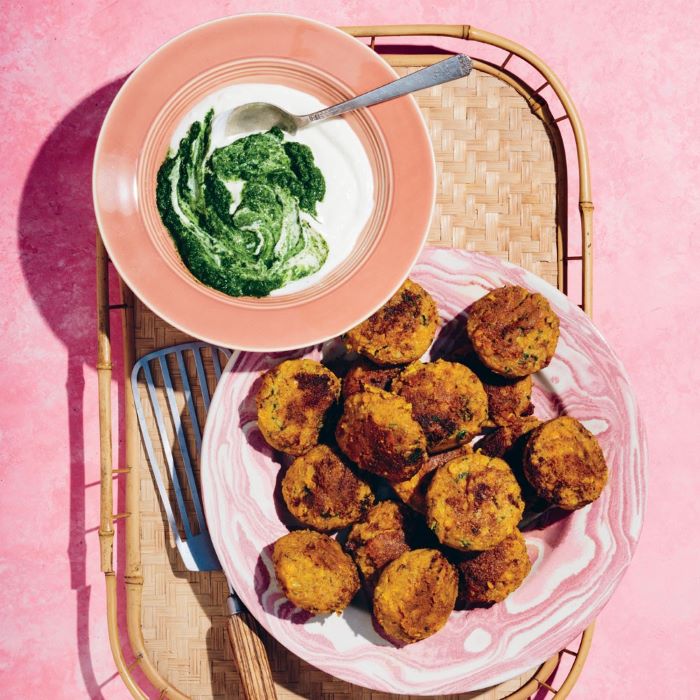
502	189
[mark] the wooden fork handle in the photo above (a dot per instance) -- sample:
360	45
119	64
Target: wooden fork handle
251	658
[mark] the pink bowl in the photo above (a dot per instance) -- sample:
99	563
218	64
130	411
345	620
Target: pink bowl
309	56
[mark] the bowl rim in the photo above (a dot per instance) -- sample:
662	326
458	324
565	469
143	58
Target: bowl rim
272	345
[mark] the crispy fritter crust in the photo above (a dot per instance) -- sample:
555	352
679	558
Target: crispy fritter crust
363	373
292	401
401	331
514	332
503	440
322	492
508	399
448	401
491	576
564	463
377	431
508	442
415	595
474	502
413	491
379	538
314	572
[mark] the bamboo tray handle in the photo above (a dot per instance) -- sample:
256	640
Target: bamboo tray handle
251	658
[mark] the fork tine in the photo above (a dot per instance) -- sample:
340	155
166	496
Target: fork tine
155	407
182	443
215	360
201	376
194	419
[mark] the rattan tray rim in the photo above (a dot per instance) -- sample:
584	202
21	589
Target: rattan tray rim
133	577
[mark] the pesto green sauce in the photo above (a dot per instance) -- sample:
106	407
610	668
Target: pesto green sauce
261	243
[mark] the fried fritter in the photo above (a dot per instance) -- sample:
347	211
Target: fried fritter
378	432
401	331
514	332
448	401
413	491
292	401
415	595
363	373
503	440
474	502
314	572
508	442
564	463
322	492
491	576
380	537
508	399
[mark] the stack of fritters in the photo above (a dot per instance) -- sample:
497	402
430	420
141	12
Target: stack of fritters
454	538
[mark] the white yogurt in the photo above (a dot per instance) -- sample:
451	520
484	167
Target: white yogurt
337	151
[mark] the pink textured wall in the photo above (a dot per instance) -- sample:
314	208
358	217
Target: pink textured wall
632	69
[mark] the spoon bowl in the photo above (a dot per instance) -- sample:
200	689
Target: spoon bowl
257	116
261	116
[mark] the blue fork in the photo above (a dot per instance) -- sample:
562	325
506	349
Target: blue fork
195	548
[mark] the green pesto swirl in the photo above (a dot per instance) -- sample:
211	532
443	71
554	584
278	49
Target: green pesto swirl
258	242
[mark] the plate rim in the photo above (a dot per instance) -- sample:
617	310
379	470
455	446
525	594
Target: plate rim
640	444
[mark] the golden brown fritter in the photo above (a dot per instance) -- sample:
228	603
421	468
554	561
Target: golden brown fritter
401	331
380	537
322	492
415	595
448	401
292	401
508	399
474	502
363	373
491	576
314	572
564	463
413	491
508	442
503	440
514	332
377	431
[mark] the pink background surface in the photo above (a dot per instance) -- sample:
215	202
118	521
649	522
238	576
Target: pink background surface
633	72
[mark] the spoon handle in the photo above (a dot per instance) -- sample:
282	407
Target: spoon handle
442	72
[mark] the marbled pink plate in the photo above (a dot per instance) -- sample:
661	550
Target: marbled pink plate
577	561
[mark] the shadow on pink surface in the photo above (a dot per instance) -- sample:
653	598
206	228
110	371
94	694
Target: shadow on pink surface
56	243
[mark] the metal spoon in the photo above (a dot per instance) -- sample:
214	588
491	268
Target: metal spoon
261	116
